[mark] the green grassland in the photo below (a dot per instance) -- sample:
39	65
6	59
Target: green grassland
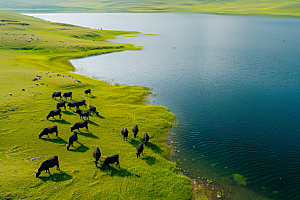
286	8
23	117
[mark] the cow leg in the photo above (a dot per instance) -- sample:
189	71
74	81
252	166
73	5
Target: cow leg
48	136
57	167
60	116
56	133
65	107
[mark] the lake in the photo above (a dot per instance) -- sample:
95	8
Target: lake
233	83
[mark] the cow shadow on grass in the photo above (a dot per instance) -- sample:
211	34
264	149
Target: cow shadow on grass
134	141
99	116
55	140
117	172
92	97
66	112
149	160
61	121
56	177
154	147
89	134
93	123
82	148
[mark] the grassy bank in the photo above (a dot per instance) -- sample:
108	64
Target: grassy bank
31	47
290	8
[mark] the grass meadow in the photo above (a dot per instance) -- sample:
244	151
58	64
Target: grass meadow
30	47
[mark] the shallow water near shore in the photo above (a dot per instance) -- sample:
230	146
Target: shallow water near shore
232	82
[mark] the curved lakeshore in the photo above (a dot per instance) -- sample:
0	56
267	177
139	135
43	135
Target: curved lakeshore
231	81
31	47
227	68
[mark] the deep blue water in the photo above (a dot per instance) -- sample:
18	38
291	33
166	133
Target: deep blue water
233	83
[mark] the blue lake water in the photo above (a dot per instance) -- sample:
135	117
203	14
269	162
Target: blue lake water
233	83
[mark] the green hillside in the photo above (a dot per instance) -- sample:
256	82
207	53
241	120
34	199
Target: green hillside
289	8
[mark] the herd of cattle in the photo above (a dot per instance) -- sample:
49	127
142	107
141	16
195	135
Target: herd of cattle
97	154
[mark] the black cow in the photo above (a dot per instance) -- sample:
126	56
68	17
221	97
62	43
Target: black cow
80	125
53	113
61	104
124	133
48	130
81	103
56	94
135	130
67	94
111	160
146	138
72	139
48	164
93	109
83	114
88	91
72	104
139	149
97	155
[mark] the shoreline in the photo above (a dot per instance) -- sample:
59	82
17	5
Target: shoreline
19	66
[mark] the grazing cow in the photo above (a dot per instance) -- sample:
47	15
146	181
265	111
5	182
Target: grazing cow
97	155
139	149
48	164
93	109
67	94
76	104
111	160
72	104
135	130
81	103
48	130
53	113
80	125
124	133
72	139
83	114
146	138
56	94
61	104
88	91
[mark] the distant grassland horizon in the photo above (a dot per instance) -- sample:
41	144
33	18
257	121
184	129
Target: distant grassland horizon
290	8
